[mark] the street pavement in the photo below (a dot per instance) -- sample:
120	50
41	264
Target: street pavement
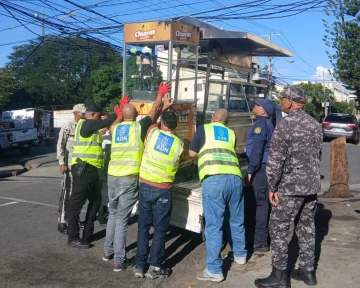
34	254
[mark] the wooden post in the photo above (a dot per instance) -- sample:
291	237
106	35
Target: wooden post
339	173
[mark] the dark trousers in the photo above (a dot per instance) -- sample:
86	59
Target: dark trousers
86	187
154	209
261	193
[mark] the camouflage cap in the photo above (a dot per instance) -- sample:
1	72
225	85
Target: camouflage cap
79	108
294	93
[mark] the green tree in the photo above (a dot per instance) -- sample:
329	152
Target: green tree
59	71
315	97
343	36
8	85
342	107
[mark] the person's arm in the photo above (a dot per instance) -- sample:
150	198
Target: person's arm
90	126
61	147
164	88
260	136
117	121
277	156
197	142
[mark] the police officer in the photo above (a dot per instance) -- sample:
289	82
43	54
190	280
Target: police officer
293	173
64	153
220	175
86	161
159	165
127	147
257	151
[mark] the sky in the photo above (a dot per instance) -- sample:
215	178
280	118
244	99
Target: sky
302	34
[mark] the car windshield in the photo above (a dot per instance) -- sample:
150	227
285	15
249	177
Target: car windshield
339	119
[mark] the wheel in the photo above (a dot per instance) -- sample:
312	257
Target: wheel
25	150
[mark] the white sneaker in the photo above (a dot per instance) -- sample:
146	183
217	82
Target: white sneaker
240	261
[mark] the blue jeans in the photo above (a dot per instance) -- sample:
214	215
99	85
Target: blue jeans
154	209
218	193
123	194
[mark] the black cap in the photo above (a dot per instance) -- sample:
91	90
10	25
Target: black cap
94	108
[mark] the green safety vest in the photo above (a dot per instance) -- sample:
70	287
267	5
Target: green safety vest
161	157
218	155
126	149
88	149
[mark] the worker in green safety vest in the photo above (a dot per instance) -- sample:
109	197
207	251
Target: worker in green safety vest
160	162
127	147
214	147
87	161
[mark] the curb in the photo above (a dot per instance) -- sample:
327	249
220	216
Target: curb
13	173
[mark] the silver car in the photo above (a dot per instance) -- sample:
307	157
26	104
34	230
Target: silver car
339	124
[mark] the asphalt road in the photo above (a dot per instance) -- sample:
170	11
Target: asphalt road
33	253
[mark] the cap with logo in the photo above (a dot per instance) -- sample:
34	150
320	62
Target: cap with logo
79	108
294	93
94	108
267	104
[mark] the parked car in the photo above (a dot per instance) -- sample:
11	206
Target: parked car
339	124
16	138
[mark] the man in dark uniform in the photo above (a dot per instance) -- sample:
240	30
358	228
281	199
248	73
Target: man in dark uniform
87	162
293	173
257	151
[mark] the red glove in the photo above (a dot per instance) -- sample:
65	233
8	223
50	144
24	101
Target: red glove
125	100
164	88
118	111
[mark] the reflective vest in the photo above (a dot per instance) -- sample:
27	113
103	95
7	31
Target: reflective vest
88	149
161	157
126	149
218	156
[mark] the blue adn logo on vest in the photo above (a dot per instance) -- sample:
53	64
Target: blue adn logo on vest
164	143
221	133
122	133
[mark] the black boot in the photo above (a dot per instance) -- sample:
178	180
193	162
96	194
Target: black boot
277	279
63	228
308	277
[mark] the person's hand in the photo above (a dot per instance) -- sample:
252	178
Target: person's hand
103	131
118	111
273	198
248	179
164	88
63	168
167	102
125	100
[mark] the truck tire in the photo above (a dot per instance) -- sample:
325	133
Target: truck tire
25	150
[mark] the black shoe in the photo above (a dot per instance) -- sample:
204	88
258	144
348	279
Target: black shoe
308	277
261	248
157	272
277	279
82	224
128	263
78	243
63	228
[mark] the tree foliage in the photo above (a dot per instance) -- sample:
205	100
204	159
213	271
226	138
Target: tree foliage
8	85
315	97
60	70
343	36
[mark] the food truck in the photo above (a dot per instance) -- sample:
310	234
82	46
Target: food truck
209	68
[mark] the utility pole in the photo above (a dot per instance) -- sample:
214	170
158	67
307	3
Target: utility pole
43	25
324	91
269	77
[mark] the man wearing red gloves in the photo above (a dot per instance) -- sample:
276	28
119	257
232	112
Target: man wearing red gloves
127	147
